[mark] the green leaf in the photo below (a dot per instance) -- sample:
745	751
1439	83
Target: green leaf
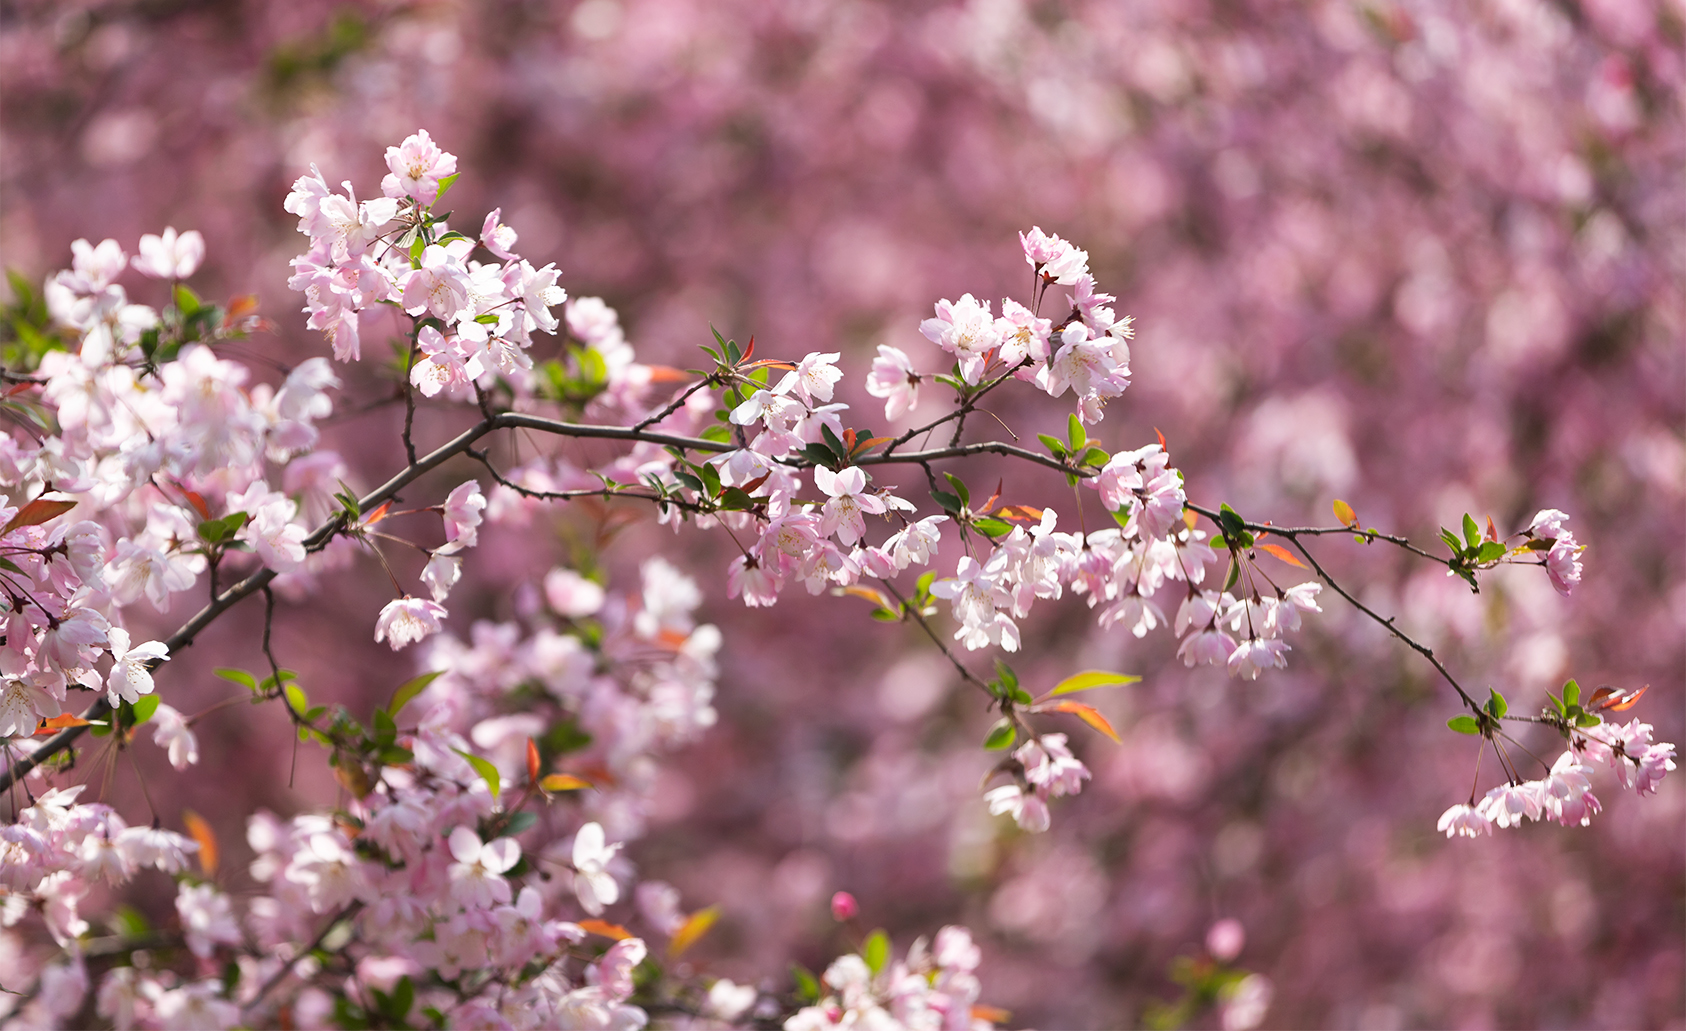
1009	679
1090	679
1075	433
948	501
876	951
445	183
959	488
593	369
297	700
1021	696
518	822
1491	551
710	478
1097	457
1465	724
403	995
992	526
186	299
923	584
1587	719
734	499
1452	541
688	480
1234	573
1231	523
144	707
1001	735
1054	444
239	676
718	433
834	444
807	986
1472	532
1571	693
1496	704
734	353
392	755
386	731
409	689
819	454
487	771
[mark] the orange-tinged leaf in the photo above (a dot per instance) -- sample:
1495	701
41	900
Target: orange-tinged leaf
1090	715
991	1014
20	388
749	351
201	832
37	512
772	363
563	782
871	594
695	926
667	374
1492	531
1021	513
1189	516
1345	514
606	929
870	442
241	306
1282	553
62	721
848	440
378	514
1161	437
532	761
754	485
674	639
993	498
1610	699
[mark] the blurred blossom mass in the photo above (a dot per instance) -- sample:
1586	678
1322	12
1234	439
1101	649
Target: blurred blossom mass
1424	258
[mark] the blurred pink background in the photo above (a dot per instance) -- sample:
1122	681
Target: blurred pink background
1426	258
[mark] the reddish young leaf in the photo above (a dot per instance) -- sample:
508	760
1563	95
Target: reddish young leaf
37	512
754	485
849	441
871	594
606	929
1282	553
990	1014
750	350
993	498
1492	531
378	514
532	762
1345	514
1090	715
1161	437
198	503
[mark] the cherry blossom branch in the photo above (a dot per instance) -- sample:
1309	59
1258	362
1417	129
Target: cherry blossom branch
1386	622
275	979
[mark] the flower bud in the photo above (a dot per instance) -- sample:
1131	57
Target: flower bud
844	907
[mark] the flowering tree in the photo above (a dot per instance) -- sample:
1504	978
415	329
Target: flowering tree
152	470
1207	204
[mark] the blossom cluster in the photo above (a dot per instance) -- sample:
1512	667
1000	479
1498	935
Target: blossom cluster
1565	793
932	989
475	320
